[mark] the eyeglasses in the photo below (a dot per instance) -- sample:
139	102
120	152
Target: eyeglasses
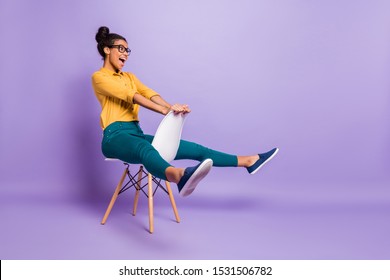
121	48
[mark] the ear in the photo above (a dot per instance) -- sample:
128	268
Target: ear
107	50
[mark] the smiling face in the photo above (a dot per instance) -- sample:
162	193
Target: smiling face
115	59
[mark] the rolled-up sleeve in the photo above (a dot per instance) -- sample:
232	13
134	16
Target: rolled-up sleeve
141	88
106	85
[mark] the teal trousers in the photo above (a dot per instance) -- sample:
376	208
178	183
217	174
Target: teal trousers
127	142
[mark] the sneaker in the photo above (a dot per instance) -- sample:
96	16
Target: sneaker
192	176
264	158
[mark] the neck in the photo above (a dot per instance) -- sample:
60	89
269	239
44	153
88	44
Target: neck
109	66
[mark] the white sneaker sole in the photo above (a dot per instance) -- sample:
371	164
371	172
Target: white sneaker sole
196	177
257	169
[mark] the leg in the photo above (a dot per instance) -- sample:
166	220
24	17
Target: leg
190	150
128	143
137	149
150	200
194	151
138	188
172	199
114	196
126	146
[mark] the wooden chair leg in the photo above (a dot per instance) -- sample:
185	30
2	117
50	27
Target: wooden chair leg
138	188
150	200
114	196
172	199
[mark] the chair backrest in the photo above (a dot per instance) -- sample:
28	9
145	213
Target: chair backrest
167	138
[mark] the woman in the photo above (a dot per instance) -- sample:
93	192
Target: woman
120	95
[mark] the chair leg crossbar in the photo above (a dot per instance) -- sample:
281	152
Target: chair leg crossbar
136	182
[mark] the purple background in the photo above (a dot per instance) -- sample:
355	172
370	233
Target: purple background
311	77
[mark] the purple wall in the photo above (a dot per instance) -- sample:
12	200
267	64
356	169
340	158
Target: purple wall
309	77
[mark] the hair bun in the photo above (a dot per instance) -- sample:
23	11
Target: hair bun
102	34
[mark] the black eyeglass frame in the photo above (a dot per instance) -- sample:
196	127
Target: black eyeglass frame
121	48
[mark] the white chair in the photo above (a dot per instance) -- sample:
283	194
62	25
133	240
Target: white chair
166	141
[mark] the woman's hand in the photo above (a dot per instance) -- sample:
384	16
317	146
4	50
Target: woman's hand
179	108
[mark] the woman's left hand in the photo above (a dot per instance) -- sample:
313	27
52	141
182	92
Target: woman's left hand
180	108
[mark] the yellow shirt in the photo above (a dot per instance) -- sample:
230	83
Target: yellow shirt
115	92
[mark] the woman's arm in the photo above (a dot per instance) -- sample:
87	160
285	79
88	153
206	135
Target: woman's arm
177	108
151	105
160	101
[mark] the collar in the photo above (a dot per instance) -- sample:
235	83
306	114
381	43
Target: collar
108	71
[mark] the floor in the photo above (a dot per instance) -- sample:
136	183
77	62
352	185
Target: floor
223	219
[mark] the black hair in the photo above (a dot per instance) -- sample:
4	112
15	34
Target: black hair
106	39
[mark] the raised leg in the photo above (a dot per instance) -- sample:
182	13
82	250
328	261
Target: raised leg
138	188
150	199
172	199
115	196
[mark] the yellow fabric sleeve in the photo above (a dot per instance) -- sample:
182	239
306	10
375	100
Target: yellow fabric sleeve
115	93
